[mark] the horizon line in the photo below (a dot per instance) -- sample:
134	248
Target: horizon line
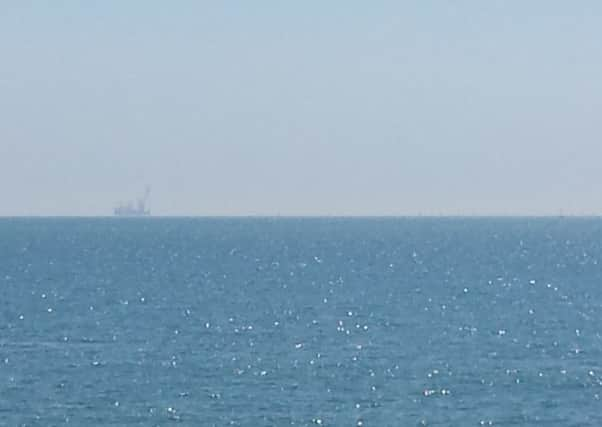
306	216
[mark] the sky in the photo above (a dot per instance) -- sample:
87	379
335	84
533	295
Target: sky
348	107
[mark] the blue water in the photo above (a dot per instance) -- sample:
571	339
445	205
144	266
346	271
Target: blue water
277	322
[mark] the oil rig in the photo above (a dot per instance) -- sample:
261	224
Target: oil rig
137	208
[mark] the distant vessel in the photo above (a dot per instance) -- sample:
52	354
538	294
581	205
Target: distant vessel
137	208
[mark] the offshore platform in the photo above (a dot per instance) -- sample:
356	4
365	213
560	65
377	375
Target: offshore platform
137	208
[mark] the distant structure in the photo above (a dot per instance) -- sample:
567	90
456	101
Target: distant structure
139	208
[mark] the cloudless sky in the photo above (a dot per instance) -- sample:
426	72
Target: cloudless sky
301	108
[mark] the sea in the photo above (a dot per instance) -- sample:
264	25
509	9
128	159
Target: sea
301	321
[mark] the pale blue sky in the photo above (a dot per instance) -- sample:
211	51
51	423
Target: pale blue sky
313	107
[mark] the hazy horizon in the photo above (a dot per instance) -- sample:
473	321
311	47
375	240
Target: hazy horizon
271	109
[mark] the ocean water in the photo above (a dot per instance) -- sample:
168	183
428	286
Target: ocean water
305	322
